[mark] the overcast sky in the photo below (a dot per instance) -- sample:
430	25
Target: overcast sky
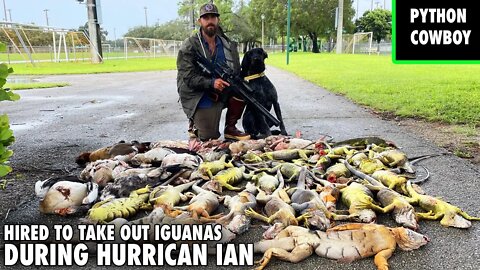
117	15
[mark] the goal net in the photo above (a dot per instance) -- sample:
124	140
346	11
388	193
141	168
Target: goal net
32	43
149	47
362	43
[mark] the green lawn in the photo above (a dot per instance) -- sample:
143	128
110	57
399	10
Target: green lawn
449	93
117	65
35	85
79	55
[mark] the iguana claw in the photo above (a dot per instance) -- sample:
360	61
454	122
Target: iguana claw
304	217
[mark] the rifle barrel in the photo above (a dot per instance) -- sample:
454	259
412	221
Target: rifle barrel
240	87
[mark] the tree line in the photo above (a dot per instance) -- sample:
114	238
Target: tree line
311	21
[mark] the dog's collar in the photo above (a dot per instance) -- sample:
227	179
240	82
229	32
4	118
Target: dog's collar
254	76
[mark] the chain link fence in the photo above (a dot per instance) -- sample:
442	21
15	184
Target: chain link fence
31	43
149	47
27	43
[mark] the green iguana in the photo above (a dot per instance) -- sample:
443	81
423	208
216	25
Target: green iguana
287	154
308	202
402	211
289	170
206	170
167	197
266	182
276	208
391	180
229	177
126	207
359	200
450	215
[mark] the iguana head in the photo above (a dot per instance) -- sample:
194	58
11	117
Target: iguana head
213	185
366	216
318	221
273	230
251	188
452	219
239	224
406	217
408	239
102	176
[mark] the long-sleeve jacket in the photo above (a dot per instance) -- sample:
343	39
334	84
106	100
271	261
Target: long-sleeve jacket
191	81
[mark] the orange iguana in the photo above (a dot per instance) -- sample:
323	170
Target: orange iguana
203	204
345	243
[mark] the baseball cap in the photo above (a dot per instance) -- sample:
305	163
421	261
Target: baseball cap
209	8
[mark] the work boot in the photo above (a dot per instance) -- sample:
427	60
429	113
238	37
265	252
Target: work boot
192	130
234	113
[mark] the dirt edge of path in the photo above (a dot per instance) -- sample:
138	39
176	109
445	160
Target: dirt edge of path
459	140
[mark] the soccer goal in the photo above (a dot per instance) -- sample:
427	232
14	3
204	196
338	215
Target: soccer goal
362	43
150	47
33	43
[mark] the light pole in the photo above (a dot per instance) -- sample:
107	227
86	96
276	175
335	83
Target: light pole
115	38
357	9
193	14
5	9
289	8
146	20
46	15
340	27
10	14
263	28
94	31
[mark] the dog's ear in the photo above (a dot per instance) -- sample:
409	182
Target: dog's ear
245	64
265	54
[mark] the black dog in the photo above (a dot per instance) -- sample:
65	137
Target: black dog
254	123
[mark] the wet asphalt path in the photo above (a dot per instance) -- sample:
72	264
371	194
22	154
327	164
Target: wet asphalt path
98	110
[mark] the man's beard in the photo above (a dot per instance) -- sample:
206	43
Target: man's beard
210	31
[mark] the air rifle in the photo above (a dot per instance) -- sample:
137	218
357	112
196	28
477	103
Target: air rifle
238	85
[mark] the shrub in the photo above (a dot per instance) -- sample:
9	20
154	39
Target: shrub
6	134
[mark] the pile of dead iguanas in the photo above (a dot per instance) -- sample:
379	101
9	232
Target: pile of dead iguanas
289	183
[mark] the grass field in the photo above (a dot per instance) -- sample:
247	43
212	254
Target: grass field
81	55
449	93
117	65
40	56
34	85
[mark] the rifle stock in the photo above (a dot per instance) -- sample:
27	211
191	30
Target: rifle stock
238	85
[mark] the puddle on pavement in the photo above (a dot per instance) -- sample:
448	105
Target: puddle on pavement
120	116
21	79
16	127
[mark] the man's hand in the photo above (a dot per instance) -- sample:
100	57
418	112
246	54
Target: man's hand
220	84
